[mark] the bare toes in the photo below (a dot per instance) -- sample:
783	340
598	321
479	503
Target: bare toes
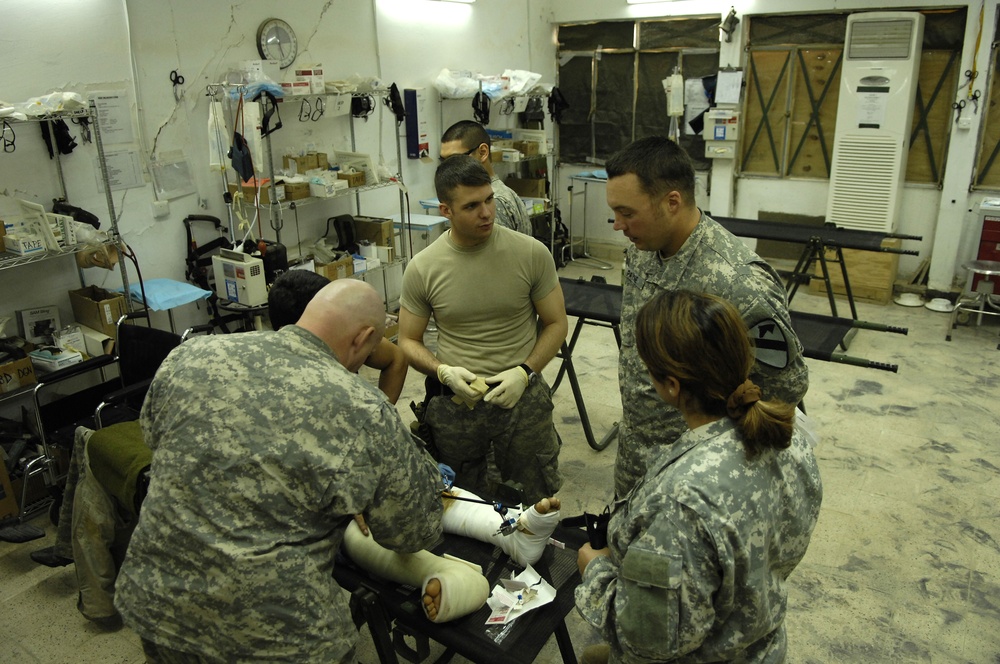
546	505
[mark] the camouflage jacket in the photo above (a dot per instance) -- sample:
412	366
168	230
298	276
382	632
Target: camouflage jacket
701	549
264	447
510	208
712	260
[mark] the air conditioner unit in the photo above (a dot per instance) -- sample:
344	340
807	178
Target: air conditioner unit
239	278
878	85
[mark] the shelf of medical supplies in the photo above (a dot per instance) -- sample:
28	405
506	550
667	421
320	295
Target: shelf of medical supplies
9	260
310	200
58	115
275	209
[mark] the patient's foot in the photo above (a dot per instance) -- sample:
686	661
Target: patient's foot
432	598
534	526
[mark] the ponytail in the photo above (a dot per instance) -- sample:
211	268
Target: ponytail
764	424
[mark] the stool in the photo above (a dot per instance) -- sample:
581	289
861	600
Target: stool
977	301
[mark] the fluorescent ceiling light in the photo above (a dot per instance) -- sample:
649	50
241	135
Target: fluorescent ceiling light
642	2
468	2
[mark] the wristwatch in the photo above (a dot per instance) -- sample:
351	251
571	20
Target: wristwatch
532	376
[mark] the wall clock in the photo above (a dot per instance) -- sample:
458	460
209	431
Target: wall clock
276	41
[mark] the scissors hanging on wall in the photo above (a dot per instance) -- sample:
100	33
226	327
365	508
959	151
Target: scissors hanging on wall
177	80
958	106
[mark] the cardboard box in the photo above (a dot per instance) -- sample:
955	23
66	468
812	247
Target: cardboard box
301	163
250	190
356	179
527	148
341	268
872	274
527	187
374	229
98	309
96	342
15	375
24	244
320	159
296	190
38	324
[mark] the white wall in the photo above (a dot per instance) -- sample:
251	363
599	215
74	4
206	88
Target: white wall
946	219
83	45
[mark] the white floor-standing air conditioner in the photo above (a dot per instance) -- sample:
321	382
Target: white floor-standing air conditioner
877	89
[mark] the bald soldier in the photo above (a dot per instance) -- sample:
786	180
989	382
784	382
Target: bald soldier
265	445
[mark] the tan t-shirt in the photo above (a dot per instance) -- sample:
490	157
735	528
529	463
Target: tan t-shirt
481	297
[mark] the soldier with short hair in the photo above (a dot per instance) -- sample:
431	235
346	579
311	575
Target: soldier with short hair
501	317
470	138
675	245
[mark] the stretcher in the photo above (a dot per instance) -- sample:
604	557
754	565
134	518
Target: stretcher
394	612
817	239
599	304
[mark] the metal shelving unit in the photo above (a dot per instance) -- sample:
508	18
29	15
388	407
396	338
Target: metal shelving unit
10	260
275	209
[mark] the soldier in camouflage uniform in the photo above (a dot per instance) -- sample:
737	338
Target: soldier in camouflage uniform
700	551
469	138
675	245
265	445
486	287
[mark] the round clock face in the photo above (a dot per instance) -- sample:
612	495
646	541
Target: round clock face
276	41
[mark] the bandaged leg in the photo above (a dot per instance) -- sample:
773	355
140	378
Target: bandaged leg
478	521
452	588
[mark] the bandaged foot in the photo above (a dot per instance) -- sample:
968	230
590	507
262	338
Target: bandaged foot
478	521
451	587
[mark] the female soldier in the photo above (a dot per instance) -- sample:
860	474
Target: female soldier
699	552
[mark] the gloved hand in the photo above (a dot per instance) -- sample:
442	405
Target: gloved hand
458	379
512	384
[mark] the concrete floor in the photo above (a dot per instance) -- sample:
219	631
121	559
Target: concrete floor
904	565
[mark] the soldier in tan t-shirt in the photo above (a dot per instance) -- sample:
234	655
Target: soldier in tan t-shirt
488	288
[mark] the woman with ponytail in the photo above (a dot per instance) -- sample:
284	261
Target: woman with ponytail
699	552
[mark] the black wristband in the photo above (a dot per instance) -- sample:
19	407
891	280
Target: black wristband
527	370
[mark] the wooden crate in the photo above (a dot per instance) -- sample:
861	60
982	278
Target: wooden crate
872	274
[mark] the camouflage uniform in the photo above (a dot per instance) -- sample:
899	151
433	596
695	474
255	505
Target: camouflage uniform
700	552
264	446
510	208
712	260
525	445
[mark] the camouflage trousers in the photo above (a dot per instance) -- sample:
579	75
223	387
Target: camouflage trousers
157	654
64	530
101	532
523	440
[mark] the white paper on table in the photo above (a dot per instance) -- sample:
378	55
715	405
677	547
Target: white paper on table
504	603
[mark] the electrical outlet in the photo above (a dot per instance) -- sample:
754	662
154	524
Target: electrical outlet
161	209
965	123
